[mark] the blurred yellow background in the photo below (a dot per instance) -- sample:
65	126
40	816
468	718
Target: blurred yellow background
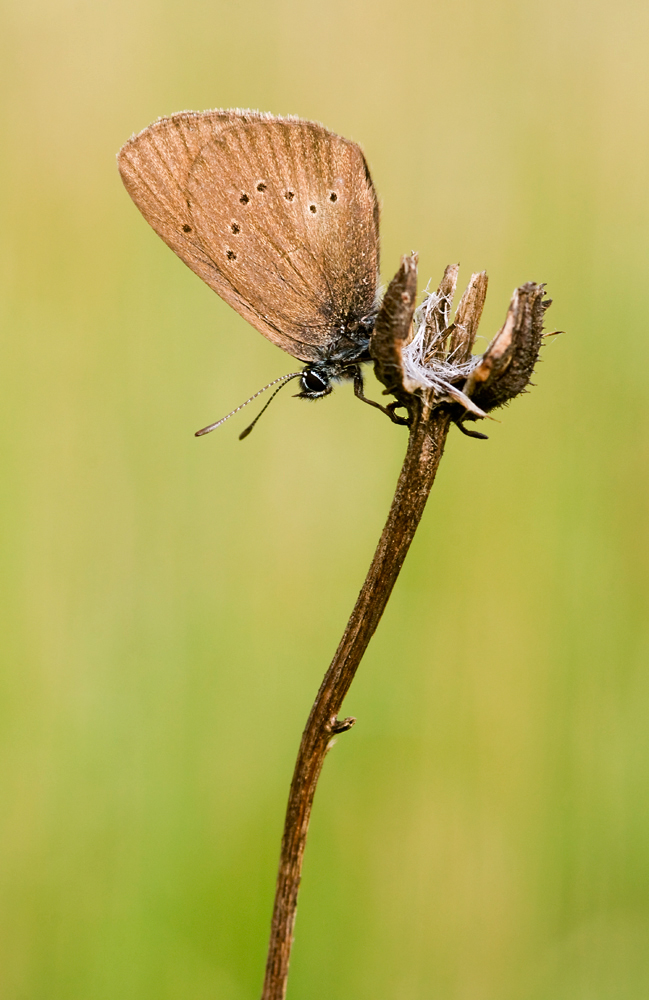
170	604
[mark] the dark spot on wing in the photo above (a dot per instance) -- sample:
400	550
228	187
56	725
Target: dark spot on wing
187	229
313	209
244	199
333	196
261	186
235	227
289	195
231	255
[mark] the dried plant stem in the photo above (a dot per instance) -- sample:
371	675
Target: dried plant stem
502	373
428	432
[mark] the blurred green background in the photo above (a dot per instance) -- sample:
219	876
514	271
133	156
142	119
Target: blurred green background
170	604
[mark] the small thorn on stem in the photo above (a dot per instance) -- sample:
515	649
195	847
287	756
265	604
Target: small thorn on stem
342	725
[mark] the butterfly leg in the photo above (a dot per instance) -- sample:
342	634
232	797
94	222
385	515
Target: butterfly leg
471	434
388	410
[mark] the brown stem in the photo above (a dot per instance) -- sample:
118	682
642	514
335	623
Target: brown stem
502	373
425	446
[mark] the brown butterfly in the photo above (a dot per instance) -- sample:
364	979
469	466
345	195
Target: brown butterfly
279	216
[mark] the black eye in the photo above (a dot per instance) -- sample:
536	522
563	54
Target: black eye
312	382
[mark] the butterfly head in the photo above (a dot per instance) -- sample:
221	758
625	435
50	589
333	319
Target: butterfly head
315	383
316	380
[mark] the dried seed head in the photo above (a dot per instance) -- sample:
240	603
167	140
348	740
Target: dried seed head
419	353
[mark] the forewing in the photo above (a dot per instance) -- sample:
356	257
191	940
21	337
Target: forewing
288	214
278	216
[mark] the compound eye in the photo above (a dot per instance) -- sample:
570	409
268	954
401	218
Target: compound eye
312	382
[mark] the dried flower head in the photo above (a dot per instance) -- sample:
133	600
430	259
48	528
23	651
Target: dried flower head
423	357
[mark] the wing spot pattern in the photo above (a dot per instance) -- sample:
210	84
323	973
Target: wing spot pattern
187	229
333	196
313	209
261	186
289	195
244	199
231	255
235	227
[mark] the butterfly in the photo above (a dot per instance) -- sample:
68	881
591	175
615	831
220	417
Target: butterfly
279	217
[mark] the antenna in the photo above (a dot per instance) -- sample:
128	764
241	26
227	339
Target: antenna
283	379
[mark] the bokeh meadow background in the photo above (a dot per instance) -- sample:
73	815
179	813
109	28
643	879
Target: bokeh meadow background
169	605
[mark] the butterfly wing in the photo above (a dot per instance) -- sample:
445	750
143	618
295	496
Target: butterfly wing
278	216
154	166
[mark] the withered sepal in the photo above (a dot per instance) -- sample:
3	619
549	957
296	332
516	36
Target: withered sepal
506	367
392	331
